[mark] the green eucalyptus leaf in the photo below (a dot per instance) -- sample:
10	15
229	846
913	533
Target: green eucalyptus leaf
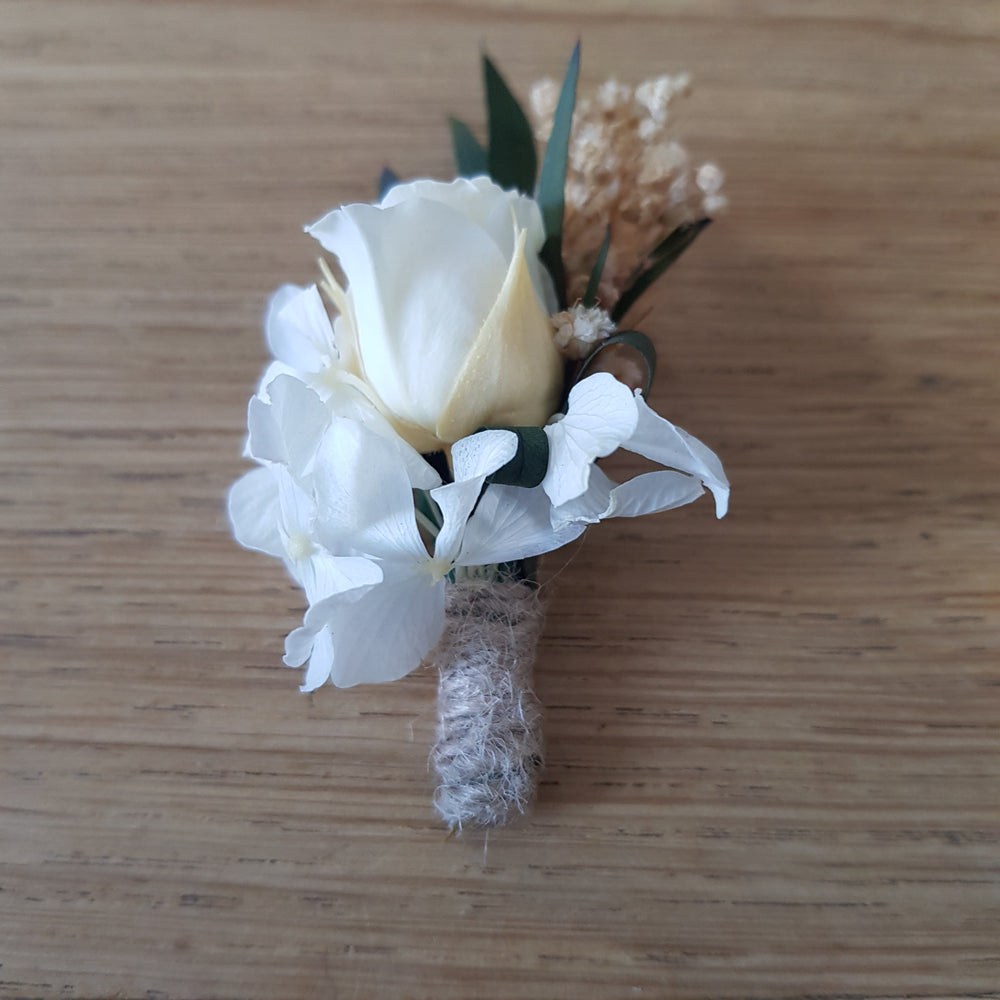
471	158
551	192
386	180
426	505
551	256
627	349
512	159
590	295
531	461
659	259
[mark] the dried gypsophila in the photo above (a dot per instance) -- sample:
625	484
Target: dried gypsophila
580	329
625	170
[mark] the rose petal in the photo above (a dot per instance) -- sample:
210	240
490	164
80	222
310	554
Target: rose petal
423	278
513	373
492	208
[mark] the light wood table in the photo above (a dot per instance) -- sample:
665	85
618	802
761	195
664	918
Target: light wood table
773	755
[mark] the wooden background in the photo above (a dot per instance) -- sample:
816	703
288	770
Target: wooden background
774	765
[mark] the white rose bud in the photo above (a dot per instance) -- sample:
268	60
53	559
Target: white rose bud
445	318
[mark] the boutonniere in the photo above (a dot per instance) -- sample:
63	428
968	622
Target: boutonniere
437	405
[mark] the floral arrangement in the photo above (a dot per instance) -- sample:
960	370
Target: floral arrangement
433	418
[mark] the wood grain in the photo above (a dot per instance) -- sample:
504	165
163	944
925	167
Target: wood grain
773	741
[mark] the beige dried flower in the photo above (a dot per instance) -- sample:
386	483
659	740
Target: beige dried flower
579	330
628	171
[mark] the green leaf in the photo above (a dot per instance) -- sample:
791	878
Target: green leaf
551	193
528	466
660	258
590	295
471	158
426	505
512	158
632	346
386	180
551	256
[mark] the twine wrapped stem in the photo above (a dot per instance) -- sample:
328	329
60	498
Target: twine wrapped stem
488	753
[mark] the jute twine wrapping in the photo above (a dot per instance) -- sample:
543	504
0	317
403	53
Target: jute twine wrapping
488	753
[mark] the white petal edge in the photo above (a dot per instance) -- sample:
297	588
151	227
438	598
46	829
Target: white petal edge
288	426
346	400
254	511
387	632
298	329
437	277
493	209
513	523
656	438
601	415
321	661
364	498
473	458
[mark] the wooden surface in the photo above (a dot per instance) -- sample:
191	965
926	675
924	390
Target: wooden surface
774	765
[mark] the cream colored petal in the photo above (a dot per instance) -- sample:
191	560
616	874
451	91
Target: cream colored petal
513	374
422	279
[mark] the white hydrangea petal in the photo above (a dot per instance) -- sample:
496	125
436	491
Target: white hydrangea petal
278	300
657	439
324	575
297	507
321	660
348	401
351	578
387	632
271	372
422	475
345	399
363	496
473	459
265	441
436	280
288	426
254	512
298	646
651	493
298	329
482	454
510	523
590	506
601	415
